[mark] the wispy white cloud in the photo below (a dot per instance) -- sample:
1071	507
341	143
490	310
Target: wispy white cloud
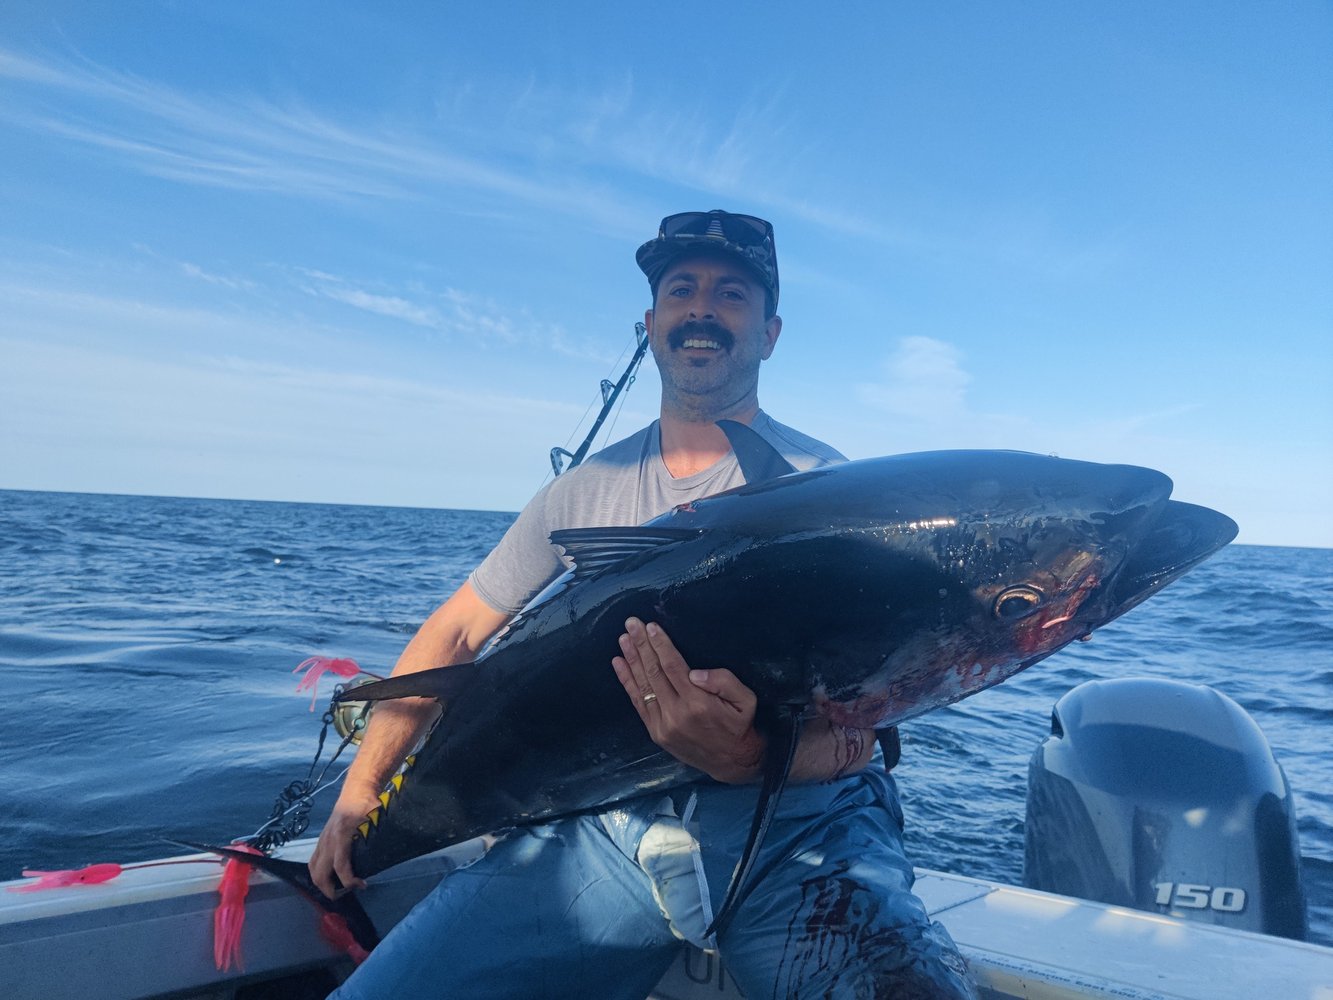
198	273
56	308
924	386
244	142
620	128
449	311
649	132
1131	425
391	306
153	300
17	67
923	379
520	142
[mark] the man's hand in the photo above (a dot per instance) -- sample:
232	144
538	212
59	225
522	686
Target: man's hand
703	718
454	633
333	852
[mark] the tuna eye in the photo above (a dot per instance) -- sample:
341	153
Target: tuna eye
1018	602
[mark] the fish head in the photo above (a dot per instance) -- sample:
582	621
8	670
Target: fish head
1028	553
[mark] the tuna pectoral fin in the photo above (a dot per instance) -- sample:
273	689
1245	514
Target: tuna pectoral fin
440	683
777	766
297	875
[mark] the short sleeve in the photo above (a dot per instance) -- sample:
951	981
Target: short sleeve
522	563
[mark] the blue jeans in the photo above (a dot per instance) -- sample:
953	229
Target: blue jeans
596	906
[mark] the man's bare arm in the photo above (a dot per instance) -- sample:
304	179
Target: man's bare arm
455	633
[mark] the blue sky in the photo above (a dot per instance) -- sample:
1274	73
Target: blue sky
384	253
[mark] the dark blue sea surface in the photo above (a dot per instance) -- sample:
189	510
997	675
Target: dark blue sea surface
147	644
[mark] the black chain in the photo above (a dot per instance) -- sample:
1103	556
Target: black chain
290	816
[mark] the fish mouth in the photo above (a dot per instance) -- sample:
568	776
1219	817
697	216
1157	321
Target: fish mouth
1183	536
701	336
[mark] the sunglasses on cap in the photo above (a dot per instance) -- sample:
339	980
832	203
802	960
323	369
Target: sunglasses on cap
743	230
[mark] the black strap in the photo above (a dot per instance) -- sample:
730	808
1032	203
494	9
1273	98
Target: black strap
783	736
891	745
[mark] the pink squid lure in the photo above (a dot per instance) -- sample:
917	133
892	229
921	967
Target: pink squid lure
317	666
91	875
229	917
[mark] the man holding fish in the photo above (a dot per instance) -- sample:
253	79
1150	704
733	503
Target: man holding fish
597	905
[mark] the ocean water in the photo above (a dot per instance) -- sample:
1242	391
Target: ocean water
147	644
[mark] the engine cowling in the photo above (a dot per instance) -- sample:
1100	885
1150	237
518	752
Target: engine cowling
1165	797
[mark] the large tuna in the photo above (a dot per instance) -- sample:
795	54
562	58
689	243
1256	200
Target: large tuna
867	592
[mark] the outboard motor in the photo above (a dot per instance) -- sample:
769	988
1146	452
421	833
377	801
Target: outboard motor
1164	797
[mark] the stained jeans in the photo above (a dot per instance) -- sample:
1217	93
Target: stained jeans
596	906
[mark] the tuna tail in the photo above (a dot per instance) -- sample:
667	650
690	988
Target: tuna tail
297	875
777	767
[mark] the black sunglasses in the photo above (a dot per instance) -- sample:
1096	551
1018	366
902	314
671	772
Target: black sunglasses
743	230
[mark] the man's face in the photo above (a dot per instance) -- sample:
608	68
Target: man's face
708	331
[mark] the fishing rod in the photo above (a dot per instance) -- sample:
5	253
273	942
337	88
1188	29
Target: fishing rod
609	393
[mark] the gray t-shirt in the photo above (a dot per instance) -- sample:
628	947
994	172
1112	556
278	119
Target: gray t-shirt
626	483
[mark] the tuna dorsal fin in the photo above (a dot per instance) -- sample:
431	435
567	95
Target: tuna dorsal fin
758	459
777	766
594	549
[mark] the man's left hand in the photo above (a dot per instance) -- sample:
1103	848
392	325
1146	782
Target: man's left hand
703	718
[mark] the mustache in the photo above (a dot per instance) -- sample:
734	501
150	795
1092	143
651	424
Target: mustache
703	329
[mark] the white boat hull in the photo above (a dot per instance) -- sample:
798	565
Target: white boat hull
150	932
